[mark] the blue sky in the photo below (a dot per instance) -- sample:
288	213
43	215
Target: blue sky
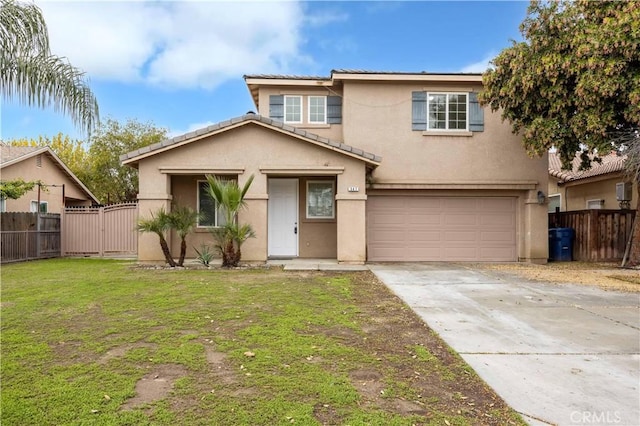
179	65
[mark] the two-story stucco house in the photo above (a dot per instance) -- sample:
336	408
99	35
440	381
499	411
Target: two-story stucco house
361	166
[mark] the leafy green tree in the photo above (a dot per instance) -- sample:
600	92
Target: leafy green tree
16	188
574	80
182	219
35	77
110	181
158	224
573	83
231	235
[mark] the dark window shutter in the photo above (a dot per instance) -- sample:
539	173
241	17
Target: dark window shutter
476	114
419	111
334	109
276	107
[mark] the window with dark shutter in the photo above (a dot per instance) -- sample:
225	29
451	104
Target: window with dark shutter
276	107
476	114
334	109
419	111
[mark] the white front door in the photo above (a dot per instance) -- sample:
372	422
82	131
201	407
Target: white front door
283	217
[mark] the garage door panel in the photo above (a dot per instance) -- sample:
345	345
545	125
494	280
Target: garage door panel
495	236
426	219
441	228
418	236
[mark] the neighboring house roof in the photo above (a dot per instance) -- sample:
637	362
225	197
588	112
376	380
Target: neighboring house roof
134	156
10	155
611	163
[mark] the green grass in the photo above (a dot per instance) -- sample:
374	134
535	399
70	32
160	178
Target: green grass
77	334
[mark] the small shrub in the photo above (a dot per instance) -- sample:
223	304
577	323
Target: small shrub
205	255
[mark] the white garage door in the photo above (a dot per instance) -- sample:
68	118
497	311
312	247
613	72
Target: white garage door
405	228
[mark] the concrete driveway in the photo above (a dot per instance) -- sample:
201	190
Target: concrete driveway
558	354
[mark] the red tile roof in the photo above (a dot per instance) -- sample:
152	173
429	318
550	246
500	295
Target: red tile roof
611	163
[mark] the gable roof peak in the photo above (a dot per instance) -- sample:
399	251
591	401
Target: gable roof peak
251	117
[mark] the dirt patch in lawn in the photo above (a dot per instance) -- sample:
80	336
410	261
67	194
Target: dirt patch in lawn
155	385
608	276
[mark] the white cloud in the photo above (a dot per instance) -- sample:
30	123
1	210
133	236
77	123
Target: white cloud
480	66
184	44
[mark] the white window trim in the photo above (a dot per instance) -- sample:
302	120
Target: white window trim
600	202
285	109
324	99
37	208
559	196
333	203
3	205
215	219
446	130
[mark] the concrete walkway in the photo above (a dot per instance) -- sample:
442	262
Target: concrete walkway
557	354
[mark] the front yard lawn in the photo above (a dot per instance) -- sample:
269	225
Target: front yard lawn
101	342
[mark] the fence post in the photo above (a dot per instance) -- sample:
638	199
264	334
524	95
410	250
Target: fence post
63	212
101	231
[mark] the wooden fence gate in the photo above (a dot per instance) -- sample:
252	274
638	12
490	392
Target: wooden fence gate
28	236
600	235
100	231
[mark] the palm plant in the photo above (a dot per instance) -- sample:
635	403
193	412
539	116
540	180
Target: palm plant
230	236
158	224
182	220
30	73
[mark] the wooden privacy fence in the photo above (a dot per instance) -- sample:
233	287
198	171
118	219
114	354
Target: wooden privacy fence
100	231
27	236
600	235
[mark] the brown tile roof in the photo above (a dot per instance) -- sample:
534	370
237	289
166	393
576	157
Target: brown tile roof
286	77
10	153
611	163
350	71
247	118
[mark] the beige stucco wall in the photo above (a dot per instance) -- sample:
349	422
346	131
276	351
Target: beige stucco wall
49	173
495	154
252	149
575	194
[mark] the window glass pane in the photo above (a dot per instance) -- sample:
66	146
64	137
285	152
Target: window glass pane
317	109
437	111
43	207
320	200
206	206
293	109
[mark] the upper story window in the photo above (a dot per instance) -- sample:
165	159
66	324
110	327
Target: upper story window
293	109
312	109
317	109
447	111
455	112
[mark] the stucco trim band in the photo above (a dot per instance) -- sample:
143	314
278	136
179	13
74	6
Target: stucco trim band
517	185
296	170
201	170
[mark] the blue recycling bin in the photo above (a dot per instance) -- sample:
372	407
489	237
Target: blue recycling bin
561	244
